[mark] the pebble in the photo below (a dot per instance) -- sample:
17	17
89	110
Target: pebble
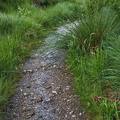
52	83
65	116
68	100
43	68
32	93
68	108
21	89
30	71
25	94
80	114
36	55
25	71
48	100
65	99
48	87
34	98
73	116
49	56
54	92
71	113
24	108
54	66
67	88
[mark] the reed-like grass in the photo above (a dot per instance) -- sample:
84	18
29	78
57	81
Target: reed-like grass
93	55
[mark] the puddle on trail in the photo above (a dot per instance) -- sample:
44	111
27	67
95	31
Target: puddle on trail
45	91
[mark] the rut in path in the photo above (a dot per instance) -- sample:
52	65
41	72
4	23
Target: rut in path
45	91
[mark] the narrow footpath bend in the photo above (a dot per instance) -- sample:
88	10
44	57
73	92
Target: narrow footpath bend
45	92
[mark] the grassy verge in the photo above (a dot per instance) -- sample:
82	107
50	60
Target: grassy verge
22	30
93	55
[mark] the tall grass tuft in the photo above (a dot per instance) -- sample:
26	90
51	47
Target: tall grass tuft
93	29
93	55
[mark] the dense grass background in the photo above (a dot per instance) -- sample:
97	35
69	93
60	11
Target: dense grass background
93	55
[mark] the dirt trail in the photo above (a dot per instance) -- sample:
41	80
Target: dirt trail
45	91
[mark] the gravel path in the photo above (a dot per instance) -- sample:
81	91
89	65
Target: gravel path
45	91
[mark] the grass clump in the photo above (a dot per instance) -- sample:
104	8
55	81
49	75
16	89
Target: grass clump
93	58
15	45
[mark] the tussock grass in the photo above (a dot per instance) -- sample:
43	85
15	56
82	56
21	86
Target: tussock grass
93	55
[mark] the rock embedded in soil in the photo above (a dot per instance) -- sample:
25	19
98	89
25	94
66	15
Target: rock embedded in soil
54	92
